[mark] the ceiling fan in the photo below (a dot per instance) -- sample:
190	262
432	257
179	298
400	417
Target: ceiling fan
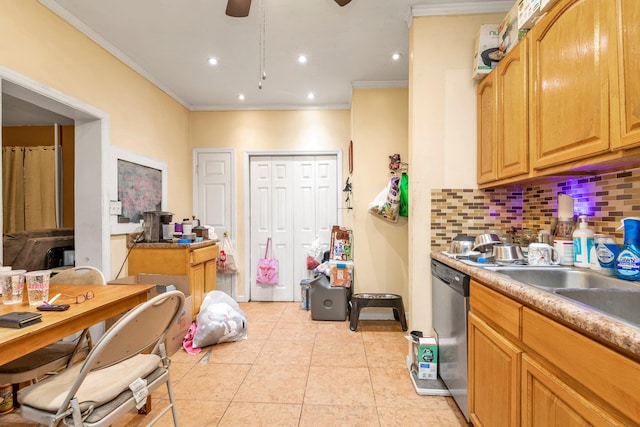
240	8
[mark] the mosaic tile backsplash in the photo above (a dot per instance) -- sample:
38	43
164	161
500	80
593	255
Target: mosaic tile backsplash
605	199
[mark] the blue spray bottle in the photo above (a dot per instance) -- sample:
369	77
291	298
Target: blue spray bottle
628	259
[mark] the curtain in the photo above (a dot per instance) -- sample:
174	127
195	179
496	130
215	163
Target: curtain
28	184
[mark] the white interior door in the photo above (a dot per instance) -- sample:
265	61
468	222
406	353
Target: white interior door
293	199
214	200
315	192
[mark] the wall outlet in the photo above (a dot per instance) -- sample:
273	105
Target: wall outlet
115	207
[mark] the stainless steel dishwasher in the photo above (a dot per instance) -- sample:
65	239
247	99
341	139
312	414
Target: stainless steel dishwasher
450	302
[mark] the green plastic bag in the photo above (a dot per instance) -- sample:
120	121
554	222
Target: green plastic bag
404	195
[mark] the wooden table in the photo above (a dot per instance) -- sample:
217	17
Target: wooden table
109	301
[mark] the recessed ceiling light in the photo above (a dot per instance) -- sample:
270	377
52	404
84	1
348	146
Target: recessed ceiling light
212	61
396	56
311	95
241	97
302	59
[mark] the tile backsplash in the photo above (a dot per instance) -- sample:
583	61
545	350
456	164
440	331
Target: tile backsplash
605	199
472	212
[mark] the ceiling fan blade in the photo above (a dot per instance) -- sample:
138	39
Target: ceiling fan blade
238	8
343	2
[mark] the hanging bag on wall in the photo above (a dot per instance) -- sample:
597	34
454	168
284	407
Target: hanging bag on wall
268	267
226	259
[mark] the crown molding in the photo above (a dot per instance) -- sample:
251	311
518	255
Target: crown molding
270	107
95	37
379	84
461	8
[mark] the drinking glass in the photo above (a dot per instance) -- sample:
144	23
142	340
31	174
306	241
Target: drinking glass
12	285
38	286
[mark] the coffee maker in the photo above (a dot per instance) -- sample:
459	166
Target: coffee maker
152	225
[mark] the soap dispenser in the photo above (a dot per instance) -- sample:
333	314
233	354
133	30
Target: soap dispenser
582	243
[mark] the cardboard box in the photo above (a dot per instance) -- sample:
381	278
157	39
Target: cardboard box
341	273
486	43
341	243
424	357
528	13
509	34
163	281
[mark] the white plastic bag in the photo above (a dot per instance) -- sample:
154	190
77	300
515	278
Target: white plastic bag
314	254
386	205
226	263
220	320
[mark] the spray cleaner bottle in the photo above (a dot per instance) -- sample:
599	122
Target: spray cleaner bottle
582	243
628	259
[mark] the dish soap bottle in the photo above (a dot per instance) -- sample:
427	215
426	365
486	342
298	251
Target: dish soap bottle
582	243
628	259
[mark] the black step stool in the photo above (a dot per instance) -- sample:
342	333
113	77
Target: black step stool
360	301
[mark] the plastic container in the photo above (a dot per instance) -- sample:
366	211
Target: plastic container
6	398
628	259
565	250
341	273
606	252
304	294
582	243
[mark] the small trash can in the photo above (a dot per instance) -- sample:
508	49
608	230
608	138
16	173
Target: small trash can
304	294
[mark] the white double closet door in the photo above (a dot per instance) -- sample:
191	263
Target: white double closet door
294	199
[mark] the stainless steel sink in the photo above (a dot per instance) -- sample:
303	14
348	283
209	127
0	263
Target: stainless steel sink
621	303
607	294
559	277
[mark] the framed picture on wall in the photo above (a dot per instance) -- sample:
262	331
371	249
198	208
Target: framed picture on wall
140	184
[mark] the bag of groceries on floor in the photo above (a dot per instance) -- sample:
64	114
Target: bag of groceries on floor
220	320
386	205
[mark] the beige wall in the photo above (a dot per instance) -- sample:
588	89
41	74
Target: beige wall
442	133
379	129
304	130
37	43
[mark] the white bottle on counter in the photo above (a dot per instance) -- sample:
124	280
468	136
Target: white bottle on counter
582	243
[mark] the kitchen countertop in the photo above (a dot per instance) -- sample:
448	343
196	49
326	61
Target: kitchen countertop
172	245
601	327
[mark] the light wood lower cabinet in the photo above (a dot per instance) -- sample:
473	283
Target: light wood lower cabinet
548	401
494	377
199	264
528	369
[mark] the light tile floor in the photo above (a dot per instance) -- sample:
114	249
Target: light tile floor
293	371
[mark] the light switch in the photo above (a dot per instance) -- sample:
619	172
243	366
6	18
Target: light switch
115	207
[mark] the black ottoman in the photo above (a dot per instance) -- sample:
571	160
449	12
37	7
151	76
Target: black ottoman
360	301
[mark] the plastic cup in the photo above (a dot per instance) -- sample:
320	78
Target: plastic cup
12	286
38	286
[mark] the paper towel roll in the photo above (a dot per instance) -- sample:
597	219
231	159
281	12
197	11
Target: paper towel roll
565	206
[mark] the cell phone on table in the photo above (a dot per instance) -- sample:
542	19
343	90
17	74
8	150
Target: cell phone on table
53	307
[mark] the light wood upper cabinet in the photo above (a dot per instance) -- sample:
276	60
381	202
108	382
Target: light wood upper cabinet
513	108
626	113
503	133
570	88
487	114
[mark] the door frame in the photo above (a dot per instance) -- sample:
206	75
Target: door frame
247	195
91	228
